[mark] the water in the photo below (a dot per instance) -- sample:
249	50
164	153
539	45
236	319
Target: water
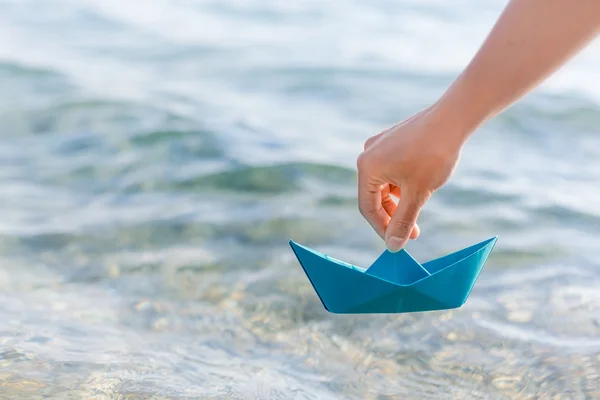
156	157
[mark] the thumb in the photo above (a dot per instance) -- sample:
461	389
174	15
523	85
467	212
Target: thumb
403	221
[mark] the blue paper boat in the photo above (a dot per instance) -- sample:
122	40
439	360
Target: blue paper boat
395	283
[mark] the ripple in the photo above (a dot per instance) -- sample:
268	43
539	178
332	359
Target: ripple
22	84
185	145
281	178
156	157
524	334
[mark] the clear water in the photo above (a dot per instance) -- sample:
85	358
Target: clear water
157	156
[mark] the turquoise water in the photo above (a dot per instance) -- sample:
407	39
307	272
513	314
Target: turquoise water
156	157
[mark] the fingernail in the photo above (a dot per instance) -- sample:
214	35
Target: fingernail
394	244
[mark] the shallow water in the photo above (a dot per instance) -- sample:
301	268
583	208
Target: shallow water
156	157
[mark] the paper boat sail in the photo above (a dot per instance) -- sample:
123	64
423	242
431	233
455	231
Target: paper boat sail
395	282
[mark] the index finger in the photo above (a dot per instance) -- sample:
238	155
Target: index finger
369	203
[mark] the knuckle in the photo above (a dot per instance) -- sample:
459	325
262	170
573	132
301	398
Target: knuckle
363	161
365	209
362	210
402	226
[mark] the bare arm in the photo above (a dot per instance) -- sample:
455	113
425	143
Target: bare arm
531	39
414	158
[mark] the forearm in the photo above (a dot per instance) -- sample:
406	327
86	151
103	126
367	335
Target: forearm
531	39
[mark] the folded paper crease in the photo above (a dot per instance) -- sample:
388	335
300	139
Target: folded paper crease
395	282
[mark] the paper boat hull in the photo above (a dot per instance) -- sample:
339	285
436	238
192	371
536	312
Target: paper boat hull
395	283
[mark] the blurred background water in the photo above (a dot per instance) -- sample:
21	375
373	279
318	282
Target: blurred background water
157	156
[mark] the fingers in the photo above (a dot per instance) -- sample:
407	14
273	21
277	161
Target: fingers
395	191
370	199
403	223
415	232
389	205
377	206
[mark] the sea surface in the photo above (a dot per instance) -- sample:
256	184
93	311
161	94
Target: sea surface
157	156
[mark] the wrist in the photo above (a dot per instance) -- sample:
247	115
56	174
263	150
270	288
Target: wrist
459	113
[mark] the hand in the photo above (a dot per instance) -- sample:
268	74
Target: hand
410	161
413	159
